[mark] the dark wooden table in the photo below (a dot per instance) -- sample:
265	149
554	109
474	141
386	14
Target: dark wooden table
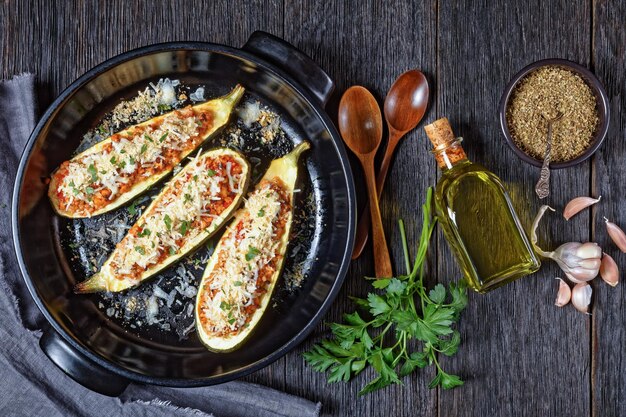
520	355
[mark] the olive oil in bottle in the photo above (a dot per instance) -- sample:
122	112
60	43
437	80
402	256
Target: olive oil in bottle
477	216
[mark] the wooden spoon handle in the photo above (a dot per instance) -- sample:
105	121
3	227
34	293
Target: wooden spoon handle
362	230
382	261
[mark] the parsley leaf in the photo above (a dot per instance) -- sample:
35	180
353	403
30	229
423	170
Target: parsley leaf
261	212
210	172
140	249
132	209
89	190
93	172
168	222
144	232
162	138
252	252
143	149
184	226
403	329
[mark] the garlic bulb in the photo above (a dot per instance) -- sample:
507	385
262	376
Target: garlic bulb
581	297
579	261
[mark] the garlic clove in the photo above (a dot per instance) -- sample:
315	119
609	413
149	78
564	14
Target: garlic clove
589	250
590	263
577	205
617	235
581	297
564	294
609	270
581	275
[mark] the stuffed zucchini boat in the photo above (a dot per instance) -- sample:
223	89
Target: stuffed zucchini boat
116	170
189	209
242	272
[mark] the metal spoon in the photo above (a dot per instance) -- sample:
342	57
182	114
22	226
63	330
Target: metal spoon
543	185
361	127
405	106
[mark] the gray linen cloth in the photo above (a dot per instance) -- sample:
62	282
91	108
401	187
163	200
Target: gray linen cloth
31	385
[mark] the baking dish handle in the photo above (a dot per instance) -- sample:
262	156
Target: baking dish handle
79	367
293	61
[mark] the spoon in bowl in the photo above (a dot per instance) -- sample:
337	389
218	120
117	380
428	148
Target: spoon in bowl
361	127
543	185
405	106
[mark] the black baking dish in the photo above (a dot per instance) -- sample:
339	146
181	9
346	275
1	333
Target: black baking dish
82	340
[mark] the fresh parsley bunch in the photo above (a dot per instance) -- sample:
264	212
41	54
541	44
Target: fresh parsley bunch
399	314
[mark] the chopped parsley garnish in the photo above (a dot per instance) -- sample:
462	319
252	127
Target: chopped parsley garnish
184	226
132	209
131	160
148	138
89	190
140	249
162	138
261	212
74	190
210	172
237	283
231	321
144	232
168	222
123	151
195	178
144	147
172	250
224	305
252	252
93	172
122	164
187	198
113	160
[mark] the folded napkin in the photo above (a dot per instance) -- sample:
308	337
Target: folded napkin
31	385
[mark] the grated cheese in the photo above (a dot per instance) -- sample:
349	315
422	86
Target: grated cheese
245	250
136	148
174	219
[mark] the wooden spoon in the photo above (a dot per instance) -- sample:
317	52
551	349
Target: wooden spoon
405	106
361	126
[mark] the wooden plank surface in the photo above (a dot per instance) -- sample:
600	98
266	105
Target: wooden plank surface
520	355
609	312
352	41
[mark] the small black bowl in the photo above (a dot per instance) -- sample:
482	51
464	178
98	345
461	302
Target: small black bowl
601	100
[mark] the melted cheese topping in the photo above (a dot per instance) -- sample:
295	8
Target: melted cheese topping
192	200
90	182
247	259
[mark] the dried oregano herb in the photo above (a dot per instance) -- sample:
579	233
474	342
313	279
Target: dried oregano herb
540	96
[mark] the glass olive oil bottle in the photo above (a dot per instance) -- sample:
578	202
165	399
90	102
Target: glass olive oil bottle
477	216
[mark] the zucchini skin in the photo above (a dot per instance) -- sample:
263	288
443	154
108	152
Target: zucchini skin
222	109
285	169
100	282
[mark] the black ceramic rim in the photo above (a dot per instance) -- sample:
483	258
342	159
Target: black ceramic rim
602	104
345	164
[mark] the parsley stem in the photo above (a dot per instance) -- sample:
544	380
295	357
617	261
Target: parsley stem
405	246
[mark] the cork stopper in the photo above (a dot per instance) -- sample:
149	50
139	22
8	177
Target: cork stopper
447	148
440	133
